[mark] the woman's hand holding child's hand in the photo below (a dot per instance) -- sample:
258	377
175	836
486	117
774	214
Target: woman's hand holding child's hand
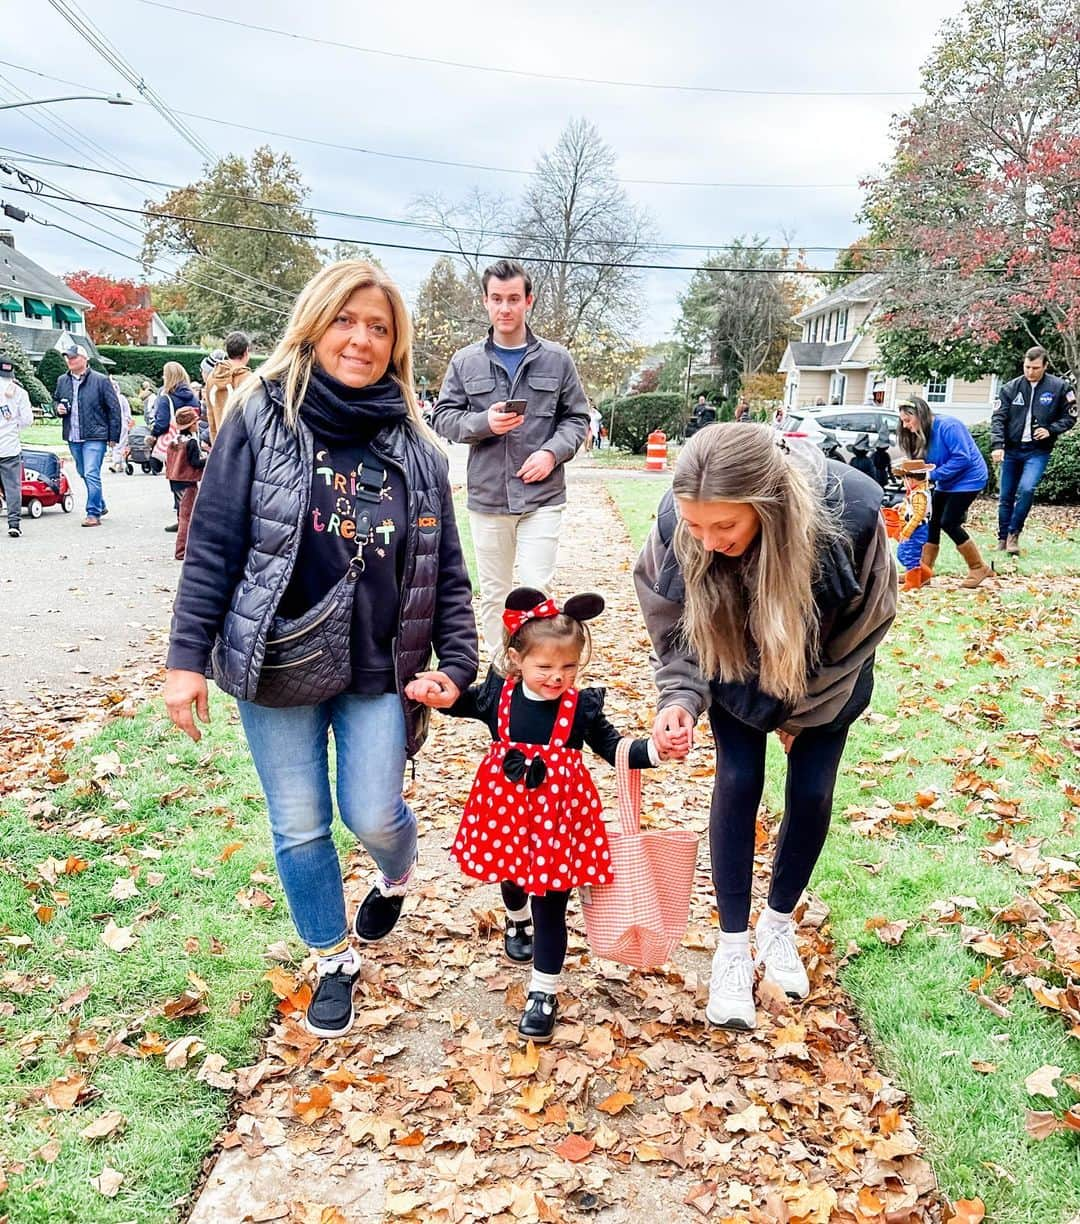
434	689
673	733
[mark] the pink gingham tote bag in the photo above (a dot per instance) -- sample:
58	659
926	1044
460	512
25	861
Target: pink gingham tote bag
640	917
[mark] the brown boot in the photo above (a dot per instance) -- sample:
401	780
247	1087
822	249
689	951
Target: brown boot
928	560
978	570
1001	544
1012	545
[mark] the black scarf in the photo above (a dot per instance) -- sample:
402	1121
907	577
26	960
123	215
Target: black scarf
347	415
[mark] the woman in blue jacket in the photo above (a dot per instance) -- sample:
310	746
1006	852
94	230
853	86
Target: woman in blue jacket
959	477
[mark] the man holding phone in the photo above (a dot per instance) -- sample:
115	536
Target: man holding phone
517	402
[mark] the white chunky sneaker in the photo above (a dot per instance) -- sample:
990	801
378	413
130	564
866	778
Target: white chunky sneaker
731	990
777	952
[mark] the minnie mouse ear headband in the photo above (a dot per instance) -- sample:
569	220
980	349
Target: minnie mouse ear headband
526	604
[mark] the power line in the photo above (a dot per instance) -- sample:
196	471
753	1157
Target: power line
531	73
101	210
463	165
424	225
123	255
86	29
401	246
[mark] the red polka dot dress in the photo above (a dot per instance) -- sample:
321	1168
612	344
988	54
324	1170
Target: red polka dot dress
544	838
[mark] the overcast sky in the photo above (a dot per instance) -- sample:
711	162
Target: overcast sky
803	156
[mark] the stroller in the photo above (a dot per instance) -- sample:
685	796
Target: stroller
140	448
44	483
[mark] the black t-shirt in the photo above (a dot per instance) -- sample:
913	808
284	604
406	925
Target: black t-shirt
329	542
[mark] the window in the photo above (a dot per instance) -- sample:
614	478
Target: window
841	324
937	390
837	387
817	321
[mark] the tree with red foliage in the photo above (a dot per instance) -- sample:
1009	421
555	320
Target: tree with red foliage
121	310
981	203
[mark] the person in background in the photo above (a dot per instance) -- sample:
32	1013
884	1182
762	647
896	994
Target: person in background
147	395
883	456
960	475
184	463
15	415
118	454
1032	412
176	393
518	403
227	373
89	408
860	456
742	412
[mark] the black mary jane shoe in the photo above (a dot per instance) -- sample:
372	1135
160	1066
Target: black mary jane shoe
518	942
537	1024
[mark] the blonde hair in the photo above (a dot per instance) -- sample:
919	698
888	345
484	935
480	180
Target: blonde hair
754	613
314	310
172	375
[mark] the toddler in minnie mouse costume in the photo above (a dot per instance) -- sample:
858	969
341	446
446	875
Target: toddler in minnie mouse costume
533	820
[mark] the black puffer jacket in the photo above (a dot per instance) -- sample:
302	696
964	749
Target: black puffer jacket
245	535
1051	403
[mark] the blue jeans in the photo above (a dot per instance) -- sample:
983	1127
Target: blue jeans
1021	470
89	457
289	747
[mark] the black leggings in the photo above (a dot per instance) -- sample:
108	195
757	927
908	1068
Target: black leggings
812	765
949	514
549	924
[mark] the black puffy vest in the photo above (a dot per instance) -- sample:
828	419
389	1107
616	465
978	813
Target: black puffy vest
281	489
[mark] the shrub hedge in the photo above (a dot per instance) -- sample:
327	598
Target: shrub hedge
632	418
13	351
149	360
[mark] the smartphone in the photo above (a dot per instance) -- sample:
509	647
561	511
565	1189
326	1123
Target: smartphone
516	405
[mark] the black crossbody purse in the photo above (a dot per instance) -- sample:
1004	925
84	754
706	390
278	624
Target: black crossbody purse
309	657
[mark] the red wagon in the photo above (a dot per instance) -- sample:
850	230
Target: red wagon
44	483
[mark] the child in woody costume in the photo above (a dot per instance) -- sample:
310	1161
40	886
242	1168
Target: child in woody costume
909	524
532	822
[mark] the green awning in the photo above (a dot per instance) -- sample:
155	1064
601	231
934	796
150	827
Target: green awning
34	307
67	313
11	305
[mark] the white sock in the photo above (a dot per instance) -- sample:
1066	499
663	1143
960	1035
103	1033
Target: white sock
548	983
348	959
733	941
396	888
771	917
519	915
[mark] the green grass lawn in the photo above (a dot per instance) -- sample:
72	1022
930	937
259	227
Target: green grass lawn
981	683
190	873
42	433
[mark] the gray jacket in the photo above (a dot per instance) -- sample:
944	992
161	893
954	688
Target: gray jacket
855	594
556	420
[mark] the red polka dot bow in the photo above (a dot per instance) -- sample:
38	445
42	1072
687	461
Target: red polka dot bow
513	620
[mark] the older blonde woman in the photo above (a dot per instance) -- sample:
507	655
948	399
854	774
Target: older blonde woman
175	393
767	584
322	569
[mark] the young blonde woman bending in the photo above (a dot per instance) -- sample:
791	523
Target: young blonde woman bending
766	584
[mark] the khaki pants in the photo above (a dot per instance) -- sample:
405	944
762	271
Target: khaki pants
529	541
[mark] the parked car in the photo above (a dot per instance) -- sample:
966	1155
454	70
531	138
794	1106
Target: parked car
846	424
